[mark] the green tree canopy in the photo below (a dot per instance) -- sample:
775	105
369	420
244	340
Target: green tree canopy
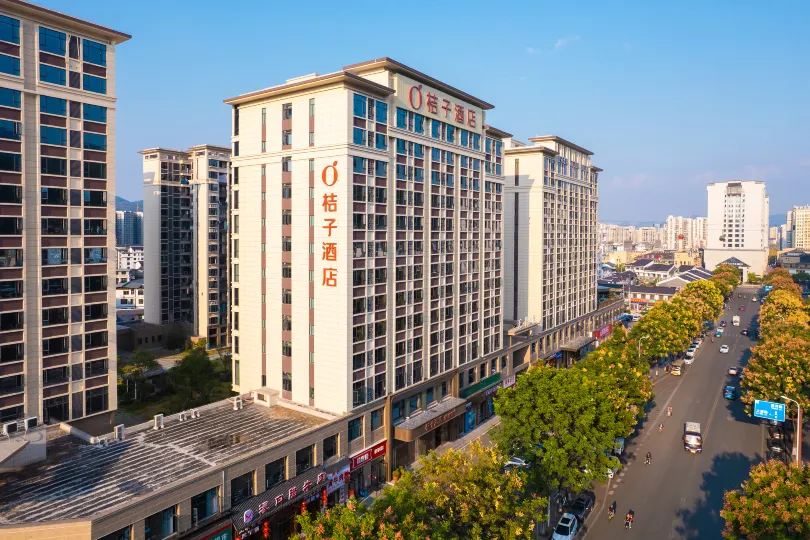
455	495
775	274
801	277
753	278
559	421
666	329
773	504
136	369
194	376
786	284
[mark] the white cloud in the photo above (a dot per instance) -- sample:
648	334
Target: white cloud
532	51
562	42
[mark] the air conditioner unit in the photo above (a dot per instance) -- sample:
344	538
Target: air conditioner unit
158	421
183	416
119	432
237	403
9	428
195	413
31	423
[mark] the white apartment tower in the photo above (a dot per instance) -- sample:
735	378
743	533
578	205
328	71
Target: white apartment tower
799	227
738	226
366	234
551	210
57	187
186	239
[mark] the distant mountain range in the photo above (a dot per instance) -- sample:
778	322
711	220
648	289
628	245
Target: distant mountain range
125	205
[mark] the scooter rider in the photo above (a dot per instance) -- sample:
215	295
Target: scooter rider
628	521
648	458
669	411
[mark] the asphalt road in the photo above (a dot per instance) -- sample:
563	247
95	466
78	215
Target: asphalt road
680	495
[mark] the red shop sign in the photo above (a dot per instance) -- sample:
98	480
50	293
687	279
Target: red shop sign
369	454
602	332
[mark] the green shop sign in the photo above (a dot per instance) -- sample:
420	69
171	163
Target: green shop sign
480	385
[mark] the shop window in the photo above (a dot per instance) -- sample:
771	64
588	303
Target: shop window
330	447
242	488
355	429
275	473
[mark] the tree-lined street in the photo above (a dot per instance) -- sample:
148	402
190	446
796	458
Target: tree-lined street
680	494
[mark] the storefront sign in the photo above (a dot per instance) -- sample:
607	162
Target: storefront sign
637	301
337	480
506	383
225	533
369	454
439	420
603	332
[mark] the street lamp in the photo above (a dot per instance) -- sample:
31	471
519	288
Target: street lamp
798	431
638	357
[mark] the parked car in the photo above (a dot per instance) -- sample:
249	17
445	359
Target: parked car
723	324
566	528
730	393
742	308
744	332
582	506
719	333
723	349
754	299
775	433
733	370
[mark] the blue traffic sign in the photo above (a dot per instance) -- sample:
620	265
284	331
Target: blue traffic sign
769	410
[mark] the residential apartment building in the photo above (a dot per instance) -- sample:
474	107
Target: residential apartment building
799	223
129	258
551	227
790	223
128	228
738	226
57	184
129	295
186	240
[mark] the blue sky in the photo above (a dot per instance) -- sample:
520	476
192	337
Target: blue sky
668	95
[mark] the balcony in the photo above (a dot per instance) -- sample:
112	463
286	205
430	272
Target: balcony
95	227
60	345
11	289
55	376
95	340
11	321
53	287
11	385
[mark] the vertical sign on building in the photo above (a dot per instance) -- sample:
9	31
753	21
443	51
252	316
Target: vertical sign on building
330	202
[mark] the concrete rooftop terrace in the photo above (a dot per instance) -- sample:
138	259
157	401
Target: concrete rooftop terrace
78	479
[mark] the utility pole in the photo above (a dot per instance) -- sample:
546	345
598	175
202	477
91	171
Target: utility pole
798	431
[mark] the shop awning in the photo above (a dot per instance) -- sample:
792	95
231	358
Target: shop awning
419	424
576	344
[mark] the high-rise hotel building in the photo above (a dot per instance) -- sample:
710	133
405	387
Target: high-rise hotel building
57	215
367	236
551	213
186	238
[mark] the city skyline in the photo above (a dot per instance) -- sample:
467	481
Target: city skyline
634	56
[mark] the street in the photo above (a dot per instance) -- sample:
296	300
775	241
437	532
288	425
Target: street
680	495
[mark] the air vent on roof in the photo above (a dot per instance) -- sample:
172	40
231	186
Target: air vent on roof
158	421
31	423
119	432
183	416
9	428
237	403
195	413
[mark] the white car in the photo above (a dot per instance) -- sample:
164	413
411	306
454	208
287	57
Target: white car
733	370
688	360
724	348
567	528
754	299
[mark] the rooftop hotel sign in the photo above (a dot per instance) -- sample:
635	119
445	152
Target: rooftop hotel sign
432	103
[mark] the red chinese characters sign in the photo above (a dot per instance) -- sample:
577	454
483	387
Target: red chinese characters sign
603	332
367	455
429	101
329	249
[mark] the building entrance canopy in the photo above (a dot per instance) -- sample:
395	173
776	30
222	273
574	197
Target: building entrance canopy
428	420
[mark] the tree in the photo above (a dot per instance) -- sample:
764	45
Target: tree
753	278
774	274
621	379
704	299
773	504
786	284
620	266
464	494
668	328
779	366
722	286
782	307
561	423
354	520
141	363
193	376
801	277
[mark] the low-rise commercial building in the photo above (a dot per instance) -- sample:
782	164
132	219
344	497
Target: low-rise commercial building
640	297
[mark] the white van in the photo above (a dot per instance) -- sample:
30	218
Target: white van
636	317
